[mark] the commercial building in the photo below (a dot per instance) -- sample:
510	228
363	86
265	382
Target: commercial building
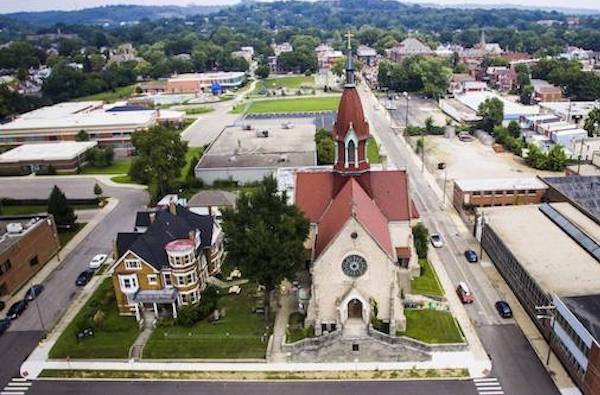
165	265
201	82
548	254
109	125
26	244
490	192
65	157
512	110
570	111
545	92
581	191
248	153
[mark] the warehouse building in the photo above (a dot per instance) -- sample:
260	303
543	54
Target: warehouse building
65	157
549	255
248	153
490	192
203	82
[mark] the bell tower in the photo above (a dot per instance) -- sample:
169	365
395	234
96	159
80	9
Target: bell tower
351	130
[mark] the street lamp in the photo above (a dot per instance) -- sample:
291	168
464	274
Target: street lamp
405	94
39	312
549	309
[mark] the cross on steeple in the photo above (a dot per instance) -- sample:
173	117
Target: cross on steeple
349	36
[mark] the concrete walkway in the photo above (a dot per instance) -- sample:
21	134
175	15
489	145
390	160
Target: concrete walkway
225	284
286	306
137	349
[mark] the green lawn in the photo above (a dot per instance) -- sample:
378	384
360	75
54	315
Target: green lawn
111	96
373	151
198	110
122	179
118	167
240	334
427	283
431	326
113	334
305	104
288	82
66	235
191	153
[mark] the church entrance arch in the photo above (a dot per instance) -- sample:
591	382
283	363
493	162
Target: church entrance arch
355	309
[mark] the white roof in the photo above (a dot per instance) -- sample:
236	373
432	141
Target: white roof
552	126
209	76
572	107
500	184
47	151
61	109
541	117
576	131
474	99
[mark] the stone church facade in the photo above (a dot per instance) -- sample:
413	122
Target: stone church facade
360	244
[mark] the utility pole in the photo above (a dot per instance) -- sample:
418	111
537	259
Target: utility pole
445	179
39	312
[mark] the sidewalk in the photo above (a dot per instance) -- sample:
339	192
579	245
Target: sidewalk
287	303
55	261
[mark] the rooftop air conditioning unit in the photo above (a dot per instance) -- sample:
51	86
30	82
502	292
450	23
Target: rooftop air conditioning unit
262	133
14	228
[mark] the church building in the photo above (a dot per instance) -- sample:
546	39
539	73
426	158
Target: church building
360	242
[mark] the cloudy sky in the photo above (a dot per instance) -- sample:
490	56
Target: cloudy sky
39	5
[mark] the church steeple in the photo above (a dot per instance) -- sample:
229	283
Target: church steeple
351	130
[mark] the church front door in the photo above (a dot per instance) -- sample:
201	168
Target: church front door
355	309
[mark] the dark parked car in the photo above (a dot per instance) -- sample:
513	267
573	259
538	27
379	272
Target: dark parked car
4	324
471	256
504	309
34	292
84	278
16	309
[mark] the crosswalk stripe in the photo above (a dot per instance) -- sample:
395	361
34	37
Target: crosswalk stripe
494	388
491	392
485	379
19	384
487	384
19	379
12	392
16	388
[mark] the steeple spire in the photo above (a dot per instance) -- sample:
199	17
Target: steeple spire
349	63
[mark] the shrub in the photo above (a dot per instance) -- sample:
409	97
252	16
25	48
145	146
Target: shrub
191	314
421	239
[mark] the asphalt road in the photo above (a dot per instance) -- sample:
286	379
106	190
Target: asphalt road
255	388
14	349
503	340
60	289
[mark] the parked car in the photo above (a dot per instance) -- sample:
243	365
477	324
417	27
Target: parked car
16	309
4	325
471	256
464	294
503	309
436	240
97	261
84	277
34	292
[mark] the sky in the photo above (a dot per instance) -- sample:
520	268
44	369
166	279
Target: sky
44	5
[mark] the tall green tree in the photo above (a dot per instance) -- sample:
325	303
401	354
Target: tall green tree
421	239
160	157
325	147
491	112
264	236
59	207
592	122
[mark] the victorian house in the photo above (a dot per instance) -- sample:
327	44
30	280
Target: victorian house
360	242
165	262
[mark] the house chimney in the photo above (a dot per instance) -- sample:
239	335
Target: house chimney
192	235
172	208
152	216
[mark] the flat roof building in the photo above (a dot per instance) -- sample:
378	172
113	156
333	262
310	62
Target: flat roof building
249	154
489	192
64	157
26	244
548	255
200	82
512	110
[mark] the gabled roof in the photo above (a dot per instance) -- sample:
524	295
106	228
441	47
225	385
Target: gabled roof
389	190
353	201
150	245
142	218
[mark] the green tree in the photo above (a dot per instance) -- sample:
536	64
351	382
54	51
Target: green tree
82	136
339	67
160	157
491	112
435	76
514	129
556	158
262	71
421	239
429	126
59	207
264	236
526	94
325	147
592	122
535	157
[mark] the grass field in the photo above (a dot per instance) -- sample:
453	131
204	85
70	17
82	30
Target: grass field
118	167
191	153
111	96
288	82
373	151
113	334
304	104
431	326
198	110
240	334
427	283
66	235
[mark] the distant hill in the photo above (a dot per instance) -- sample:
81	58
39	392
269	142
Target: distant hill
112	15
466	6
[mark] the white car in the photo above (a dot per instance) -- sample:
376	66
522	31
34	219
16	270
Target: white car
436	240
97	261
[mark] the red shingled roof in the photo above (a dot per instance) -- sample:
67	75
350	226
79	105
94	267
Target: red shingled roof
350	111
353	201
